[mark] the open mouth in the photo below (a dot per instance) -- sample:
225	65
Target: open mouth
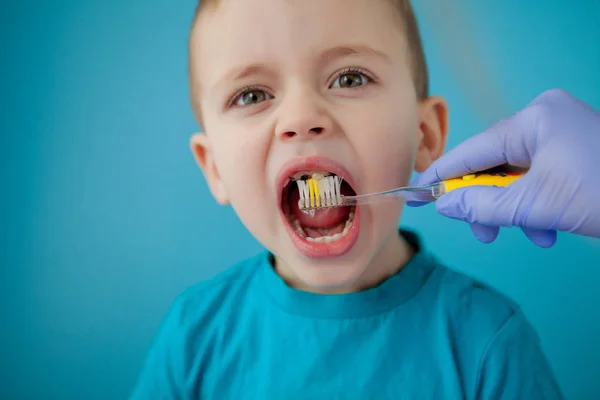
319	226
320	233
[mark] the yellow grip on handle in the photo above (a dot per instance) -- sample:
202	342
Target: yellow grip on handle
485	179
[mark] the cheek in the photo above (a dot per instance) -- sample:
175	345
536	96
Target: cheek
388	158
384	135
241	165
388	155
240	158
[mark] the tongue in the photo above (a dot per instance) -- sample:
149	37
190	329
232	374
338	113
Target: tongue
319	219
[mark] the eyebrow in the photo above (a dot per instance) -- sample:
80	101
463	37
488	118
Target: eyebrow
248	70
243	72
336	53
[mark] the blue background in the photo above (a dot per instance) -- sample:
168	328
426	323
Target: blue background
104	217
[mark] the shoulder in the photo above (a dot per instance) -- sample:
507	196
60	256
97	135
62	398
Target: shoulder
198	315
496	343
471	313
461	298
471	301
229	284
496	346
206	301
237	275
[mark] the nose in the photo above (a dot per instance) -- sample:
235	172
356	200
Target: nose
303	116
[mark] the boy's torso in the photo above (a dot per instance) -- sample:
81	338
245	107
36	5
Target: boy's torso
382	357
254	341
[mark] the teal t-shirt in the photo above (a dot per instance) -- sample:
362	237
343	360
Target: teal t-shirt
426	333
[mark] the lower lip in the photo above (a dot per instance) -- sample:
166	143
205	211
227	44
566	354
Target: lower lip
326	250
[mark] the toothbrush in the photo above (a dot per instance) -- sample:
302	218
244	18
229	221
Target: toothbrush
318	191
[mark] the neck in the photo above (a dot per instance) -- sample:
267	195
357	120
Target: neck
391	258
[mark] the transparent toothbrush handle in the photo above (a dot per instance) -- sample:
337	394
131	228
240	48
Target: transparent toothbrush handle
421	193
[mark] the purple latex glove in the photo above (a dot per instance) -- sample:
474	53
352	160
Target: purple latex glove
558	138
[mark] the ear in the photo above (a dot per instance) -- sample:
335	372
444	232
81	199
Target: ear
201	149
433	131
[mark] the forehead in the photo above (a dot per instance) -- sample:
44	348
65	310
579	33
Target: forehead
290	32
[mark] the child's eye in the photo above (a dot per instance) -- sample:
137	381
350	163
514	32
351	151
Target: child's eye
250	97
348	80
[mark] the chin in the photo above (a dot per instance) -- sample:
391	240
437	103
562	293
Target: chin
339	274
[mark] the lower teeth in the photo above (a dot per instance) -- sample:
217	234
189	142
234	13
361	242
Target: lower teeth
324	239
298	228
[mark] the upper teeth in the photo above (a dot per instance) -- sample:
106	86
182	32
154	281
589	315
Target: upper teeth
306	175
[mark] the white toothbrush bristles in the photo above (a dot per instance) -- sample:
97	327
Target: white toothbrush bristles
323	188
324	191
327	192
304	193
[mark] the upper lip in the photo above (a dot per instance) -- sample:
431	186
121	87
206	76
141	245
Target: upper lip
310	163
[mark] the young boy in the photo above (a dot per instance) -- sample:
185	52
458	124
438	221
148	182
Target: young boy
342	305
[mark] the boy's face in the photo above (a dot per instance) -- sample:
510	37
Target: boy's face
287	87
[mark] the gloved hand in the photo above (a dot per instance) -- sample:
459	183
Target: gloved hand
558	138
